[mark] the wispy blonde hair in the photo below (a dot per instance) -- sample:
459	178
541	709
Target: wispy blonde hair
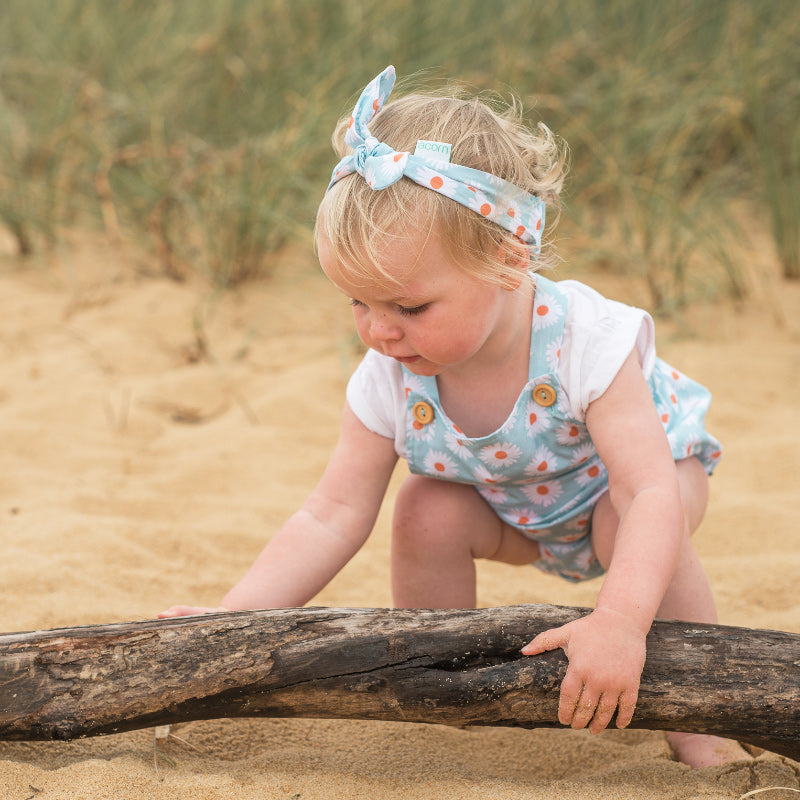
359	223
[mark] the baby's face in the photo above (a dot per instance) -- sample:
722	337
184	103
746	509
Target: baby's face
433	317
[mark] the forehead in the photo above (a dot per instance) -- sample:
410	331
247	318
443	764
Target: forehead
399	262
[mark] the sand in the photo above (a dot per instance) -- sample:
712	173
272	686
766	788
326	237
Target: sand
154	434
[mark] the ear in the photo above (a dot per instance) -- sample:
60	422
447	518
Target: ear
517	258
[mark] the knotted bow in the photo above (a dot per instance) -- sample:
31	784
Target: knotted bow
502	202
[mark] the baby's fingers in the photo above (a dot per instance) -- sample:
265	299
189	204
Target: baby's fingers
606	707
585	709
627	705
572	693
547	640
176	611
624	705
188	611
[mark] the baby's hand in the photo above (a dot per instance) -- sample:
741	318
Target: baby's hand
188	611
606	652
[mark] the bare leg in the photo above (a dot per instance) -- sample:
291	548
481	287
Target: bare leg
688	598
440	528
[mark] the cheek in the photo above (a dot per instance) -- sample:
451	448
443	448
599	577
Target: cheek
362	325
459	338
442	343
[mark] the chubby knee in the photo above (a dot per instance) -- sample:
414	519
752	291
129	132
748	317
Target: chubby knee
427	507
434	516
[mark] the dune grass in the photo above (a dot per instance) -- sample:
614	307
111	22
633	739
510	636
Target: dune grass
201	130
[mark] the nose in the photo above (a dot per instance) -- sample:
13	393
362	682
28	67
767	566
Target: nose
384	327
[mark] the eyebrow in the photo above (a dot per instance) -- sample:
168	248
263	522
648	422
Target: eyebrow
409	300
403	302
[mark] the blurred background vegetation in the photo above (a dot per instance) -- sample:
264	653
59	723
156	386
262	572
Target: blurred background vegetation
201	131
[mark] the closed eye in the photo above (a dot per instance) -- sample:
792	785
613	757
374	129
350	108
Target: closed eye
413	311
405	311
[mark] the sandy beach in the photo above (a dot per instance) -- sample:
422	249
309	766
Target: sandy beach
154	434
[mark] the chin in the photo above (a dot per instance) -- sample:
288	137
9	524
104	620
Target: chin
424	370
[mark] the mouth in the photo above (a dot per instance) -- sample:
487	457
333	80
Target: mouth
406	359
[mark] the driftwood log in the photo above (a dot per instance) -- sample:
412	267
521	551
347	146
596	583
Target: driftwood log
451	667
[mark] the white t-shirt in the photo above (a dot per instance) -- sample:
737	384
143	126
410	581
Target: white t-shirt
599	334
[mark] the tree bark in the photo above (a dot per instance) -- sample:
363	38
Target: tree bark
454	667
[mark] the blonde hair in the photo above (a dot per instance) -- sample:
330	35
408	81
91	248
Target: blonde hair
359	222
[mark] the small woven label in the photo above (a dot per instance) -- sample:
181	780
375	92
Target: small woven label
438	151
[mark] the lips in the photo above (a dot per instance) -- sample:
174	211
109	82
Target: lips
406	359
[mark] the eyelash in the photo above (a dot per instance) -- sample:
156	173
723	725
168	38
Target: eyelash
404	311
412	312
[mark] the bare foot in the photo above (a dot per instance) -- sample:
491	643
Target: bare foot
700	750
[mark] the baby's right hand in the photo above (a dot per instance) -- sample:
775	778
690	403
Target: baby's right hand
189	611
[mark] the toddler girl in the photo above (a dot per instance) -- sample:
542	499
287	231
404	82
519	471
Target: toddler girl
538	425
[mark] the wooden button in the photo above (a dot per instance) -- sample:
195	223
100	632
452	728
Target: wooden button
544	394
423	412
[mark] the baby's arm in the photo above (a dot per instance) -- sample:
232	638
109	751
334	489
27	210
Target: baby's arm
606	649
320	538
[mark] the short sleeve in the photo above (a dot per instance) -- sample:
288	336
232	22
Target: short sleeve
599	335
375	394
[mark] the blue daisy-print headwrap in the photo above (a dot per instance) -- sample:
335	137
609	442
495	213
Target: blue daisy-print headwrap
502	202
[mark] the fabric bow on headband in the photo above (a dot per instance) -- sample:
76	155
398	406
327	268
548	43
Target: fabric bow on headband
502	202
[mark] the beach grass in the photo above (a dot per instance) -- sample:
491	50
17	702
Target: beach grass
202	131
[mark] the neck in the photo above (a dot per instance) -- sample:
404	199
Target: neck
508	346
480	394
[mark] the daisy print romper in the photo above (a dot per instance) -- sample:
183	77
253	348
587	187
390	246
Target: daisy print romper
539	471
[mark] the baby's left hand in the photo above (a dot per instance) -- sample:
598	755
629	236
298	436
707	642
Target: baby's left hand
606	652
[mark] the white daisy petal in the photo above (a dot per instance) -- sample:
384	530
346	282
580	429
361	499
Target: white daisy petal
502	454
440	464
